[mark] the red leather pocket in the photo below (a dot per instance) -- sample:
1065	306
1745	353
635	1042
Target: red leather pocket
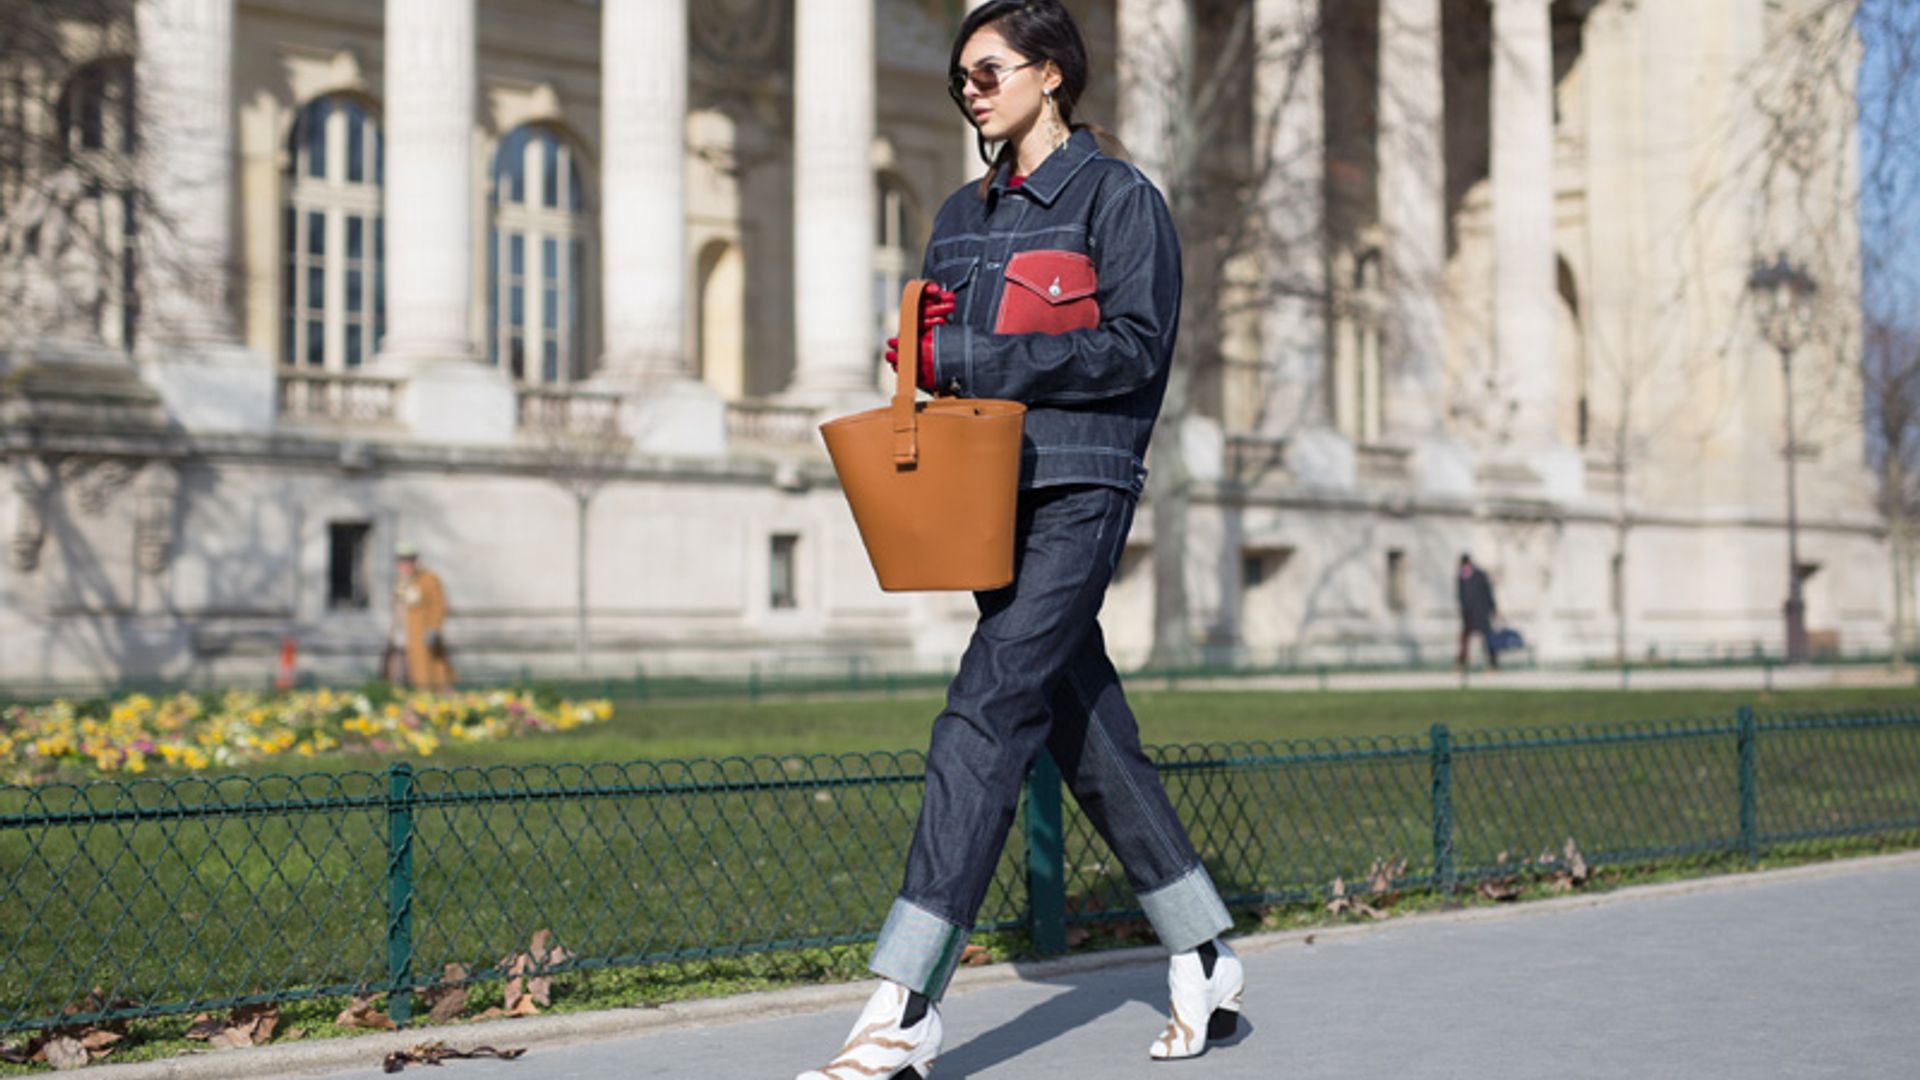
1048	292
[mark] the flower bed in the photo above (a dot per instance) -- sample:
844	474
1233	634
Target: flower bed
193	732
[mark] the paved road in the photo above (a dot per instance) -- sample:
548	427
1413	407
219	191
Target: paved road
1705	678
1801	977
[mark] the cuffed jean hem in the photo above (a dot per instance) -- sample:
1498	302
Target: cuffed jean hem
1186	912
917	949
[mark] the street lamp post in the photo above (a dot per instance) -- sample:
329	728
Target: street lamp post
1783	295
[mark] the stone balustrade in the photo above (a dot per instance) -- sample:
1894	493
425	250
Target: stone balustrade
767	423
342	398
552	410
1383	466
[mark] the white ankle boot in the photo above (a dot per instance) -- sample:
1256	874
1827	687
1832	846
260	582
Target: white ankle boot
879	1047
1203	1008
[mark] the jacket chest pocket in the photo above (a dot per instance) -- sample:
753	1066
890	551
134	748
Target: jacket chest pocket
956	276
1048	292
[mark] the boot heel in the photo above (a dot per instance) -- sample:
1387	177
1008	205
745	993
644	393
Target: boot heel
1222	1024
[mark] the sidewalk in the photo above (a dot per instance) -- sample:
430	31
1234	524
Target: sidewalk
1804	973
1754	678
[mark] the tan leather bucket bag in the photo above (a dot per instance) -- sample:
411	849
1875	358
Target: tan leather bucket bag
932	483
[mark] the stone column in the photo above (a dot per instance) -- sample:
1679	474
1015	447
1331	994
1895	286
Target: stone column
450	396
833	202
1523	293
643	231
1412	191
1289	118
188	334
1155	65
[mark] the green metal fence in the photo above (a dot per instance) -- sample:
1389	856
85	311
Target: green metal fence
180	895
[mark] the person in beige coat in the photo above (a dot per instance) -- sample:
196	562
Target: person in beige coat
419	618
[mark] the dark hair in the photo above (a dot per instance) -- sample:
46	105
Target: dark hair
1037	30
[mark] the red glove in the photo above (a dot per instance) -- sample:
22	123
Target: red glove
935	305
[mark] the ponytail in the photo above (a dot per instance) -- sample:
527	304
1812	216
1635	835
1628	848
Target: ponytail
1003	157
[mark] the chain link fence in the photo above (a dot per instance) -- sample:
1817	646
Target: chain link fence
188	894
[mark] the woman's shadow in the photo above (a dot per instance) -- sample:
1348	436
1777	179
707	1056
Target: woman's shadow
1092	995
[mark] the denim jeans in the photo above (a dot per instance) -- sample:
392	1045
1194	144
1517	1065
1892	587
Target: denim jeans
1036	675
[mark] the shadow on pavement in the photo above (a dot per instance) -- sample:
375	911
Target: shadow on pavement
1089	997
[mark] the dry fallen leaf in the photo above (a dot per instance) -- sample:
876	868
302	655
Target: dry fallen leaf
362	1014
1381	879
1342	904
448	1000
70	1046
247	1025
975	956
433	1053
1500	888
65	1052
204	1026
527	993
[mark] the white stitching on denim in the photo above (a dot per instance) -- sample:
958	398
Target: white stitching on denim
1114	198
1168	847
1093	721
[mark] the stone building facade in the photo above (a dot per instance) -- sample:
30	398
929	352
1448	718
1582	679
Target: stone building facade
436	270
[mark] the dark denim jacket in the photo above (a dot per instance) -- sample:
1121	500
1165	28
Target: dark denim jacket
1067	299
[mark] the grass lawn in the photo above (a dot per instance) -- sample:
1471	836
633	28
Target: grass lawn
651	730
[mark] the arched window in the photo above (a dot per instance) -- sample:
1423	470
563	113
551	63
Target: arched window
538	289
100	138
720	319
896	258
334	311
97	112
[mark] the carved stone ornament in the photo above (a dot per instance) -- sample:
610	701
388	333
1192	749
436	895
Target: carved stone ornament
741	52
94	481
153	519
739	34
30	479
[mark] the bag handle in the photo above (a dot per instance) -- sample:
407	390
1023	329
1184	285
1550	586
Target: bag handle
906	424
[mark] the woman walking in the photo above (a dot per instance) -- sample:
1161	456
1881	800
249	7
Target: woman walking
1058	278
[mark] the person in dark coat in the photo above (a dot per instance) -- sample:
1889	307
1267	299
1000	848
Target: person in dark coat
1477	610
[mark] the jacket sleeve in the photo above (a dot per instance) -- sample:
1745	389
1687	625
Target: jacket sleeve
1136	260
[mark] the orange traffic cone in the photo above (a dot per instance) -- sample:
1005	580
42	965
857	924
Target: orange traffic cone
283	677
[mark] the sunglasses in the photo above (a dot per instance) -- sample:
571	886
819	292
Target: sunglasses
985	78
